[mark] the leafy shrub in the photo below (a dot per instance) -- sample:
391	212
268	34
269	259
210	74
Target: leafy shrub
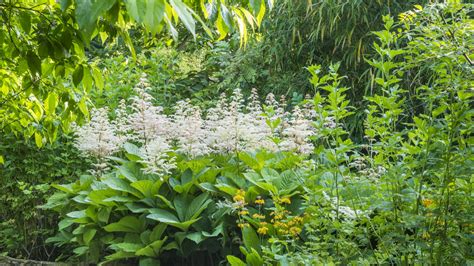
26	177
128	214
174	74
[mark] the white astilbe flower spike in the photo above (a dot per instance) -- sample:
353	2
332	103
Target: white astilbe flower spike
231	128
121	122
259	133
98	138
308	108
233	125
155	157
346	211
296	136
189	130
147	120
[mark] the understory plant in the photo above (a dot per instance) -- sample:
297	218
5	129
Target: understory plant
26	175
409	185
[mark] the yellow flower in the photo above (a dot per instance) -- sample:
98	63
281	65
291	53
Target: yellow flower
244	212
298	219
278	217
285	200
258	216
239	196
295	230
242	225
262	230
428	203
259	201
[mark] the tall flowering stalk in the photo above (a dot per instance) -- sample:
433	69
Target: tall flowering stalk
235	124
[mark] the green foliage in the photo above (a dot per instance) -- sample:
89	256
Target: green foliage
46	76
26	177
127	214
172	74
301	33
401	194
412	202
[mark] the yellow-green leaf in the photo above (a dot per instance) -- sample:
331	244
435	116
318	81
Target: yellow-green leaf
185	15
51	103
38	140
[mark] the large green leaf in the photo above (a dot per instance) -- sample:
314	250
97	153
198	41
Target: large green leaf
153	249
254	259
136	9
158	231
147	188
169	218
88	235
88	11
185	15
154	14
129	224
120	185
197	205
234	261
269	174
127	247
133	152
196	237
250	238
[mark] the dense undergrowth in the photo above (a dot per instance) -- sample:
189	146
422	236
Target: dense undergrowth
249	178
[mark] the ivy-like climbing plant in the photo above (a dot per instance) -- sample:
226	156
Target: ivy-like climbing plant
45	75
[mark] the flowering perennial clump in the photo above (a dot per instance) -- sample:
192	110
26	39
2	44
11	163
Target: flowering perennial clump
234	124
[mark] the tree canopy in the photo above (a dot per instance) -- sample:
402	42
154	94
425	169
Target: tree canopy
45	74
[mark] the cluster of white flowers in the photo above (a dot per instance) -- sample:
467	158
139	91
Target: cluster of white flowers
372	173
346	211
234	124
98	138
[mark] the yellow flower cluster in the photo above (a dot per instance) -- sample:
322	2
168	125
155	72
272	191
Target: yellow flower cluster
258	216
263	228
285	200
428	203
279	215
244	212
242	225
281	219
239	196
259	201
291	226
